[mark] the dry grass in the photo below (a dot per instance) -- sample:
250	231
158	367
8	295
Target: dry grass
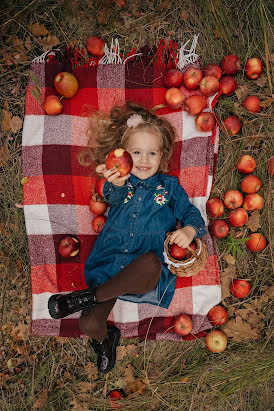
241	378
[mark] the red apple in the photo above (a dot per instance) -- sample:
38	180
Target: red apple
173	78
99	186
192	245
233	199
195	104
218	228
214	207
228	85
205	121
177	252
251	184
231	64
69	247
66	84
98	223
217	315
231	125
252	104
256	242
270	166
121	159
183	325
97	206
209	85
213	70
96	46
174	98
253	68
239	288
52	105
238	217
216	341
192	78
253	202
246	164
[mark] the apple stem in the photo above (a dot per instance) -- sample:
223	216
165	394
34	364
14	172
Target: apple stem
61	98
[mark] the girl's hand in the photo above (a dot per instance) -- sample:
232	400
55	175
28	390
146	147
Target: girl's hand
112	175
183	236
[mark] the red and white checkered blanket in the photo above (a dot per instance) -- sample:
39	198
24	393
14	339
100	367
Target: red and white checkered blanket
58	189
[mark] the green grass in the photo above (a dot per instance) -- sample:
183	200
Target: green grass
241	378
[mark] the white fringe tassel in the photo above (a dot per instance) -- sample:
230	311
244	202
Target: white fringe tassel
190	56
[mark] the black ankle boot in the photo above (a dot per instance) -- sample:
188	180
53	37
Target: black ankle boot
106	350
61	305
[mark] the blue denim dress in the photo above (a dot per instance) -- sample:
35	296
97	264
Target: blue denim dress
141	213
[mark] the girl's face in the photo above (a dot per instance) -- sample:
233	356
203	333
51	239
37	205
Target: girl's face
145	149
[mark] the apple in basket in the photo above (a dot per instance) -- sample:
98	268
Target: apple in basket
238	217
246	165
121	160
209	85
174	98
239	288
189	254
216	341
213	69
66	84
195	104
96	46
253	68
251	184
230	64
69	247
183	325
98	223
252	104
256	242
218	228
52	105
173	78
217	315
192	78
215	207
233	199
177	252
205	121
231	125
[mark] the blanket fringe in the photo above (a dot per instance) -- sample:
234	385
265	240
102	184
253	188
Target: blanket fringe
165	56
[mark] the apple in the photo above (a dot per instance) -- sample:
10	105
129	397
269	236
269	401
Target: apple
69	247
99	186
228	85
216	341
98	223
96	46
256	242
173	78
218	228
121	160
97	206
238	217
230	64
213	70
251	184
115	398
231	125
239	288
174	98
183	325
209	85
270	166
252	104
66	84
217	315
192	245
195	104
205	121
246	165
253	68
192	78
52	105
215	207
253	202
233	199
177	252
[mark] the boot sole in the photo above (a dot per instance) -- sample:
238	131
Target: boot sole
117	335
51	308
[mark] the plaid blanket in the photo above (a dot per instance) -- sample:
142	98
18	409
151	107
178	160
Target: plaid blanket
58	188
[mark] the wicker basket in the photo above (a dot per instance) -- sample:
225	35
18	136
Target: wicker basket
191	266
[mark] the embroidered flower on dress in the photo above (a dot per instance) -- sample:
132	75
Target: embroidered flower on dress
160	199
130	193
134	120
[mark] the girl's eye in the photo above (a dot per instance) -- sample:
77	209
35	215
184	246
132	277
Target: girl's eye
154	154
136	152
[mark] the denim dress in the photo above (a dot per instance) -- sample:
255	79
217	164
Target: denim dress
141	213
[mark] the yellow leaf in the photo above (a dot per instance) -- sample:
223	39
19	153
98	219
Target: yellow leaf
24	180
16	124
9	363
38	30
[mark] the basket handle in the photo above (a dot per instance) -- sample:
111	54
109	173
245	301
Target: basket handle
193	252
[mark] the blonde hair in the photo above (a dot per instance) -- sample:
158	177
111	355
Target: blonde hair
107	132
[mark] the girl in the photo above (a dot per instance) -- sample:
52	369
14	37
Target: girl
127	260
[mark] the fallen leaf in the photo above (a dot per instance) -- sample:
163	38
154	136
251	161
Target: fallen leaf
48	42
254	221
86	386
136	388
261	81
120	3
239	330
230	259
92	371
4	156
164	5
103	15
42	400
242	92
226	277
129	374
24	180
7	115
16	124
38	29
267	102
28	43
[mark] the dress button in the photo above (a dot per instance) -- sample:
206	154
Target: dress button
134	215
122	266
140	199
131	234
125	251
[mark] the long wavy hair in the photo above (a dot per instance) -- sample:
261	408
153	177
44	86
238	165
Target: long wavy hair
107	132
